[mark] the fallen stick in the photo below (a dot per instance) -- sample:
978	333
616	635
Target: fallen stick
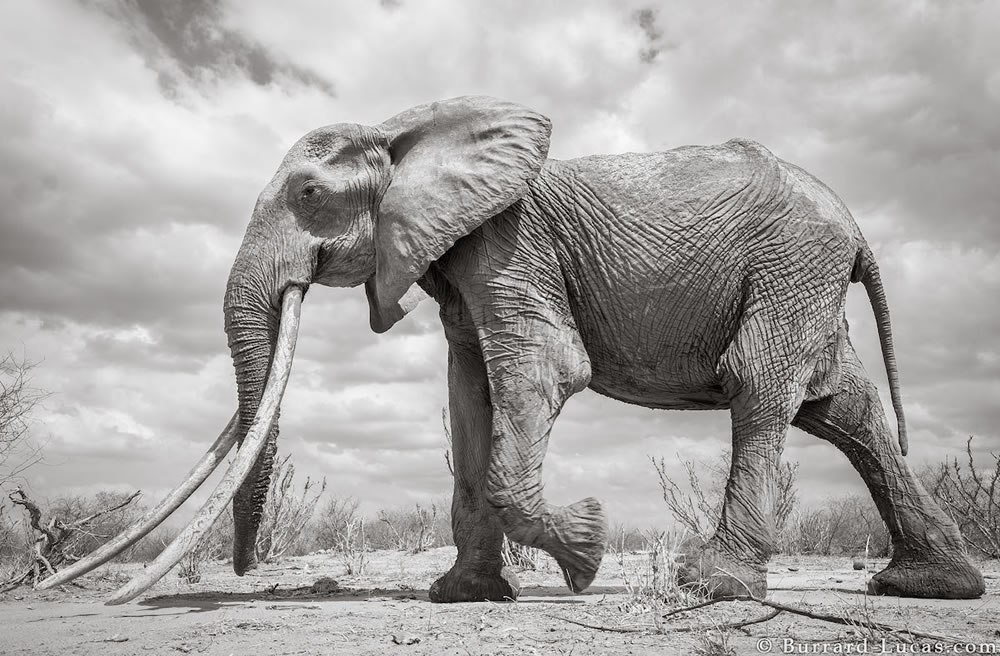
823	617
680	629
777	607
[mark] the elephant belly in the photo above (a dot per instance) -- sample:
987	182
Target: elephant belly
677	383
659	354
708	398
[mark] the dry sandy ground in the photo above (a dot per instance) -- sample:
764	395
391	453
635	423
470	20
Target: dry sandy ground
278	610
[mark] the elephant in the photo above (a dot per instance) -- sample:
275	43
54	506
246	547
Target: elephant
703	277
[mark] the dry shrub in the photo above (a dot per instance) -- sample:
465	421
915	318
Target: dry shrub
18	399
628	539
841	526
15	544
649	574
972	497
413	530
104	526
714	642
287	512
341	528
67	534
353	547
698	507
519	557
284	526
333	520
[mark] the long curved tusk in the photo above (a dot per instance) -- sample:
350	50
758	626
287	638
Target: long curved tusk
202	470
247	454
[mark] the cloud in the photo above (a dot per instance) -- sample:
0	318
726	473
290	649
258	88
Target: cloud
137	135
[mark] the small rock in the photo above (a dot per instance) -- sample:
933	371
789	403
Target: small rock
793	569
116	638
405	640
858	564
325	585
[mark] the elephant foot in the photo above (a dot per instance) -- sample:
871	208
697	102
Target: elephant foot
463	584
580	533
711	570
942	579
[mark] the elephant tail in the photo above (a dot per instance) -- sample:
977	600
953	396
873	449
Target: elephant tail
866	272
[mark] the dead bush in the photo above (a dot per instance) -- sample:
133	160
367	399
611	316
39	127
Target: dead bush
287	513
698	507
649	573
67	537
519	557
104	525
333	520
413	530
972	497
18	399
847	525
342	529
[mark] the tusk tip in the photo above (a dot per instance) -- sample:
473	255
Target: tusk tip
121	597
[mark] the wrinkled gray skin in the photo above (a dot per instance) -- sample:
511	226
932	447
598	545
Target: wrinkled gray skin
705	277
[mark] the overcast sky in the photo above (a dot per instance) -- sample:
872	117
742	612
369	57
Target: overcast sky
135	137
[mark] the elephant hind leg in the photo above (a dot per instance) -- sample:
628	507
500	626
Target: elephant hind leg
929	556
764	372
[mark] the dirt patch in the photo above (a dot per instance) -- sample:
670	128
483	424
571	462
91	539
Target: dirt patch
307	605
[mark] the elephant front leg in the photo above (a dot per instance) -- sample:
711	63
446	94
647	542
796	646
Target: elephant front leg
532	372
478	573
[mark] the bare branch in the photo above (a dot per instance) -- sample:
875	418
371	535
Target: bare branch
86	520
18	399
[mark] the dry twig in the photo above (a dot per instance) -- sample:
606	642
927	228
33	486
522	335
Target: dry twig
777	609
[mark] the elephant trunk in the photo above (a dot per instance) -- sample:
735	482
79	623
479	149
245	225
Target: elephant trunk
252	329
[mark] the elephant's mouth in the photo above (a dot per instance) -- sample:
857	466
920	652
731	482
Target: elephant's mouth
240	468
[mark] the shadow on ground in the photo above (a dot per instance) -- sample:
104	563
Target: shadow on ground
199	602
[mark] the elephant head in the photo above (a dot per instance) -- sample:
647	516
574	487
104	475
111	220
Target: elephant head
349	204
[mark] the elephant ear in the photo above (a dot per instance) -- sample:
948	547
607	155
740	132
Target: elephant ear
456	163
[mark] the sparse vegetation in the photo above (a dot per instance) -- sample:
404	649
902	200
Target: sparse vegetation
18	452
103	524
715	642
413	530
342	529
286	514
216	545
64	538
518	556
698	508
972	497
651	582
842	526
18	399
846	525
286	526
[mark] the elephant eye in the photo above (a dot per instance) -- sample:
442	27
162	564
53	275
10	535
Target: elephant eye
309	191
